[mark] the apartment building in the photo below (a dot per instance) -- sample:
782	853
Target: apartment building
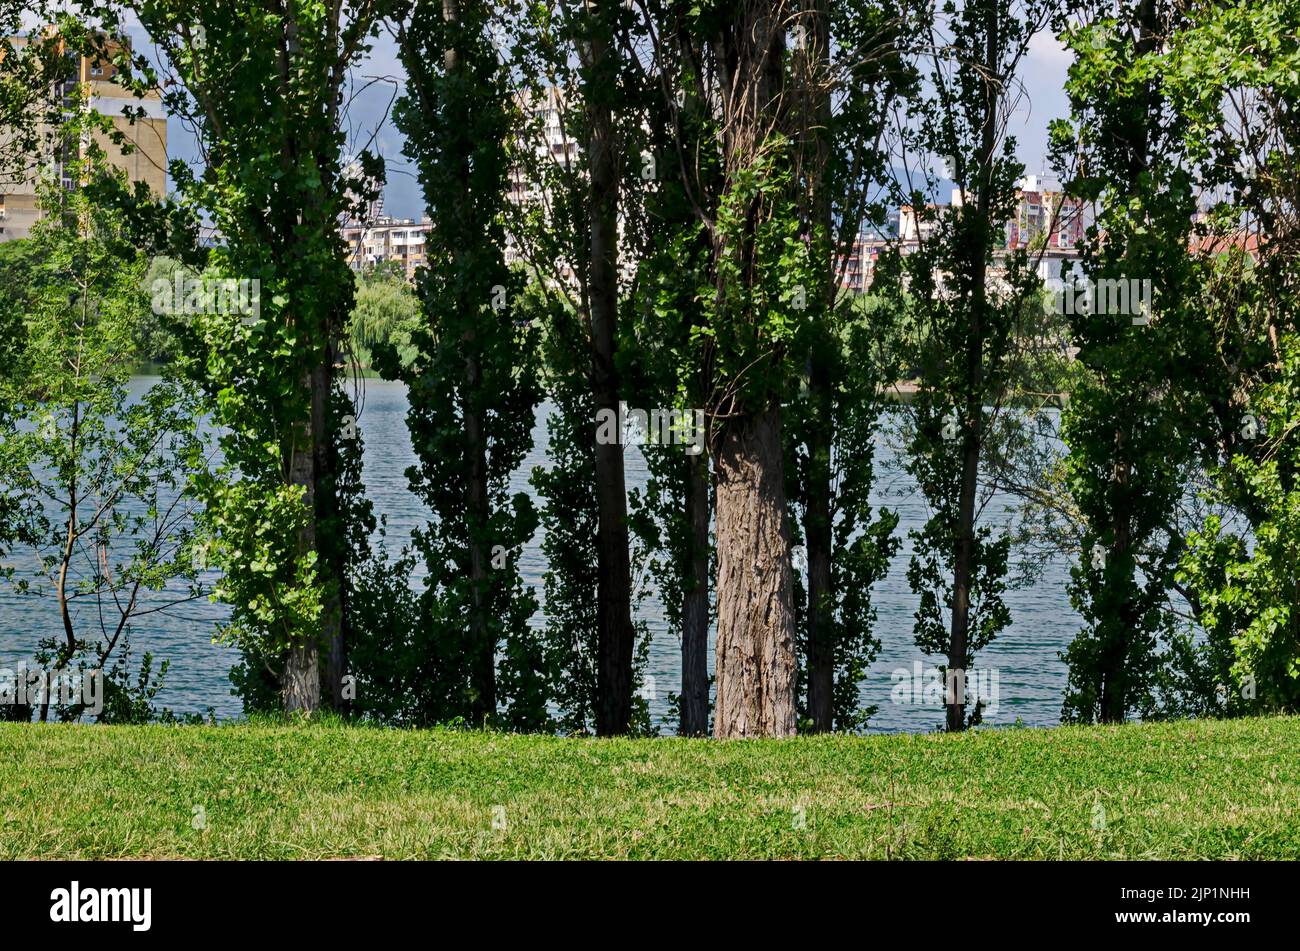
1045	213
1045	221
916	227
95	78
856	268
387	240
550	144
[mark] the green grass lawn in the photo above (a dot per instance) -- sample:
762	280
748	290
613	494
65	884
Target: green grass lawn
1205	790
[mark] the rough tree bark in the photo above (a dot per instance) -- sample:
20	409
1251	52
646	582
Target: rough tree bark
755	663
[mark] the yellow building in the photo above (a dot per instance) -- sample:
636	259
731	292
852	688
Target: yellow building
146	163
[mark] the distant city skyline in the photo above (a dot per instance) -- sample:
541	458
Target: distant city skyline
1043	76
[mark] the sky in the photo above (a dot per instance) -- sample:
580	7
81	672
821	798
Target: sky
1044	71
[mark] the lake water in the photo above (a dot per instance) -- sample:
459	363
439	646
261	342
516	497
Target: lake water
1030	674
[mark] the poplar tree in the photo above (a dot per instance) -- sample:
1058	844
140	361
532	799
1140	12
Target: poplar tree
964	324
1230	71
473	385
577	162
265	93
736	154
847	74
1136	415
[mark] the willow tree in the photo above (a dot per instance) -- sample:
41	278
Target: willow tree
264	92
473	384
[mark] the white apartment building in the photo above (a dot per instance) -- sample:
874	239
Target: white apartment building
546	112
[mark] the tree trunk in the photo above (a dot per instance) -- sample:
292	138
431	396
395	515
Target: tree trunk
616	636
311	680
817	512
817	534
482	645
1114	695
755	662
331	555
973	423
300	684
698	500
695	603
963	569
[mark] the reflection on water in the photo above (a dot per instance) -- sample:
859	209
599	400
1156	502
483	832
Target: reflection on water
1031	674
